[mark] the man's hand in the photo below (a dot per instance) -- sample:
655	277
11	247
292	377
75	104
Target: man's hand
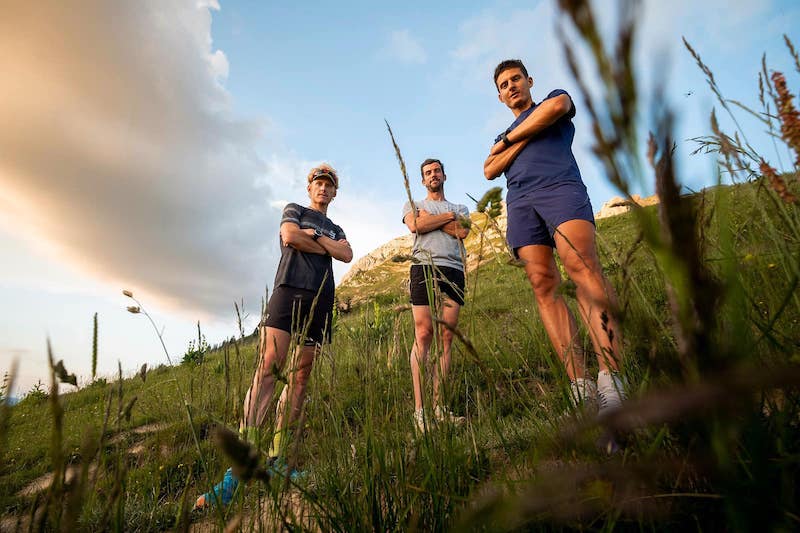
458	228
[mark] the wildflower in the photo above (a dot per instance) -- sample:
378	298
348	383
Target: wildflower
789	116
777	183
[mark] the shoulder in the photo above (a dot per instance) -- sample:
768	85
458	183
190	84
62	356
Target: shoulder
558	92
292	212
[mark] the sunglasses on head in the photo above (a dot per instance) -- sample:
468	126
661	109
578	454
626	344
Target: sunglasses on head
322	172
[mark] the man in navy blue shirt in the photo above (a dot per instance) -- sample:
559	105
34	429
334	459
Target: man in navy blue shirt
548	207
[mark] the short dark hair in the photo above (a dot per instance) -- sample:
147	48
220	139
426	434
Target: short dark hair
507	64
428	162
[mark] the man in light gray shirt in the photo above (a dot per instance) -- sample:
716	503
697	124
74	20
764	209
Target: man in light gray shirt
439	228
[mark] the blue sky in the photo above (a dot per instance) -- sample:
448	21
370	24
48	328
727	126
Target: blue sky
151	145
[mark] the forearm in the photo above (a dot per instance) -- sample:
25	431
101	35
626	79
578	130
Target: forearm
498	162
292	235
428	223
339	250
546	114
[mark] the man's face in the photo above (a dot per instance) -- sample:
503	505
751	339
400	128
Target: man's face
514	89
432	177
321	191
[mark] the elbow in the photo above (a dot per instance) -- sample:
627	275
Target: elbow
562	105
288	239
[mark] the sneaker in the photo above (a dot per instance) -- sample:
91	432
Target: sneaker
278	467
419	421
443	415
610	392
583	393
224	491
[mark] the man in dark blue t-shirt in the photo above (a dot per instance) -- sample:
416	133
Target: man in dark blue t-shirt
548	207
299	312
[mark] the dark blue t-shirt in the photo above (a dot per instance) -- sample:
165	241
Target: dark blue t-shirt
546	159
303	270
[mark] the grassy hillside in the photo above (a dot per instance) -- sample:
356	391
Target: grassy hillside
709	441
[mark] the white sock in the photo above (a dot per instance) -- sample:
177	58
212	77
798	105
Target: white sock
610	391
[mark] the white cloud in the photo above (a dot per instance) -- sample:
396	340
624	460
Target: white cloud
405	48
120	155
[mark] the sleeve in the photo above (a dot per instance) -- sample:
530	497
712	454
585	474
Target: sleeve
291	213
406	210
340	233
559	92
463	210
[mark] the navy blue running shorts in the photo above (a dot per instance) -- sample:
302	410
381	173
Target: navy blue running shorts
533	218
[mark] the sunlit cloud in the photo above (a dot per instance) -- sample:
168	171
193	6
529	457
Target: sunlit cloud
120	153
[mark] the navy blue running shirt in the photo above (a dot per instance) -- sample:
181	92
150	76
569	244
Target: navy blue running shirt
546	159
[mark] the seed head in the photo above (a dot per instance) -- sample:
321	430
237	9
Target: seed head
777	183
134	309
127	293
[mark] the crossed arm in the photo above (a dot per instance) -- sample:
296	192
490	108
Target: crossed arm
302	240
545	114
426	222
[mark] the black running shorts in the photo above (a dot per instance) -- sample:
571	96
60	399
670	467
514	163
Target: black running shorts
289	310
449	280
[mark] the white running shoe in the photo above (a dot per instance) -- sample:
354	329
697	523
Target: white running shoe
610	391
583	393
419	421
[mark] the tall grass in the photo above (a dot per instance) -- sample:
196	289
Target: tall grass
710	309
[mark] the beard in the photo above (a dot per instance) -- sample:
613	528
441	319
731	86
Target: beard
435	188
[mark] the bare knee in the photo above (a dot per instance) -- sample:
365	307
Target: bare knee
544	282
423	334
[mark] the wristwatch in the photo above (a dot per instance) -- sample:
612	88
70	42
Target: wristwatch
504	138
317	234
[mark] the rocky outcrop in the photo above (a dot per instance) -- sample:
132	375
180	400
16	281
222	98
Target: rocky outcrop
618	205
399	246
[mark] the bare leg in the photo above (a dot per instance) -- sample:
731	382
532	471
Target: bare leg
273	347
295	391
450	311
575	241
543	275
423	335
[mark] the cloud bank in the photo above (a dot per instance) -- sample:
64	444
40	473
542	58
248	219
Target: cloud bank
120	154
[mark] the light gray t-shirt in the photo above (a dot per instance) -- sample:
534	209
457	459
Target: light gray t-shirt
437	246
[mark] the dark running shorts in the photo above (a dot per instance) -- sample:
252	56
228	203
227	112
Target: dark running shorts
288	310
452	285
533	219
